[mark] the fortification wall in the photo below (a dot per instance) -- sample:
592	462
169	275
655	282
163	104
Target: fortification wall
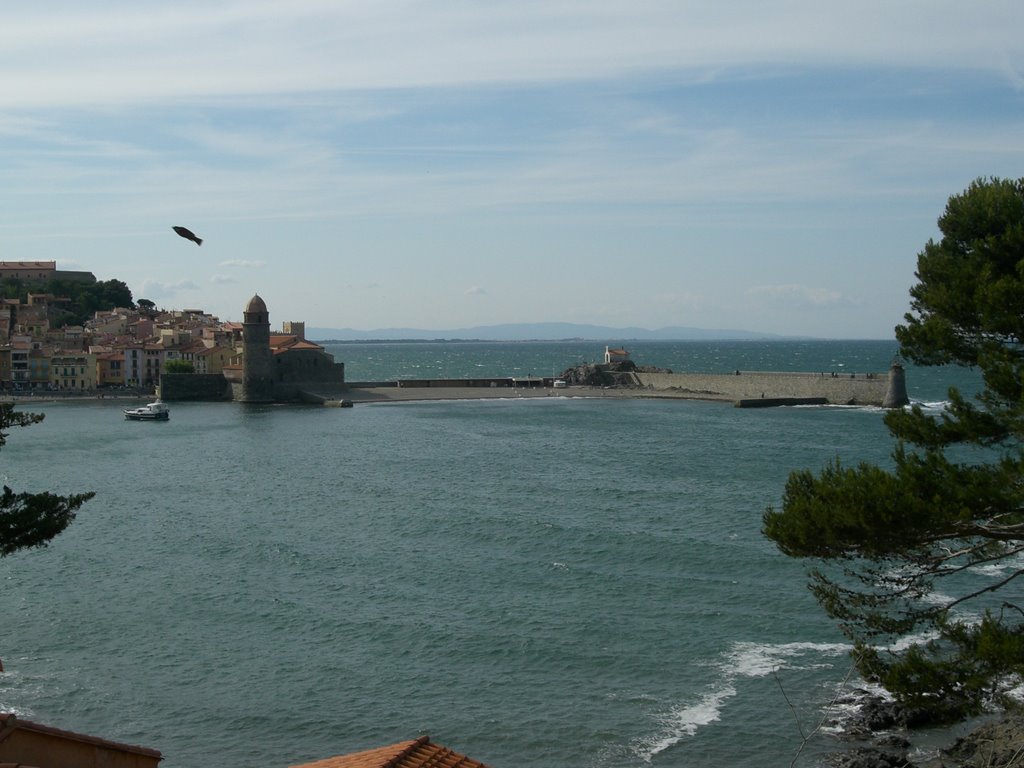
194	386
859	389
303	366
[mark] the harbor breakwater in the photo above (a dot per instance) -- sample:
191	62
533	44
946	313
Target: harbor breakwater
743	388
746	388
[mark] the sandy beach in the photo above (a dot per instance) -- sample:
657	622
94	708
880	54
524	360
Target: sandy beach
361	395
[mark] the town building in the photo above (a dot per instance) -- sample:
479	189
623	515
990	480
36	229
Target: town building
618	355
73	371
130	347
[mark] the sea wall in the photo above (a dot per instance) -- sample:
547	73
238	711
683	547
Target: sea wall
194	386
851	389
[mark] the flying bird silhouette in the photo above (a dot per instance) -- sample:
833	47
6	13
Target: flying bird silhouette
188	235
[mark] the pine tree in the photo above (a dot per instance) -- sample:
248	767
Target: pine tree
930	550
31	519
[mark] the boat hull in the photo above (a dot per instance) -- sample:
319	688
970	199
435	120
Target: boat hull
152	412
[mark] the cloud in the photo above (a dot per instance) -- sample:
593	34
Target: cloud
154	289
475	290
243	263
121	52
797	294
223	280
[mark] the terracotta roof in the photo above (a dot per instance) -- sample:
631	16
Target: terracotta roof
284	343
282	339
419	753
10	723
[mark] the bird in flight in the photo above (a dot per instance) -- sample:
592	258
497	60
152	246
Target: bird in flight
188	235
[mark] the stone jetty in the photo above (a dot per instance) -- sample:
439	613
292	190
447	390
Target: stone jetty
742	388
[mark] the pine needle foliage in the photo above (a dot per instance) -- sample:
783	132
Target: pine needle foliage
31	519
919	562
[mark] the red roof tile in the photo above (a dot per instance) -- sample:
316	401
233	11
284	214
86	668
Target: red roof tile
419	753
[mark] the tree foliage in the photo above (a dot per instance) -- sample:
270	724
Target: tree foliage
86	298
31	519
179	366
930	550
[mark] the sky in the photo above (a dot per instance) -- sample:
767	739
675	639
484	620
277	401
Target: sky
766	166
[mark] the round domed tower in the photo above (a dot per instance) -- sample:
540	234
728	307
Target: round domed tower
257	361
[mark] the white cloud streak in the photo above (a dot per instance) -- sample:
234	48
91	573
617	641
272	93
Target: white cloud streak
799	294
129	53
155	289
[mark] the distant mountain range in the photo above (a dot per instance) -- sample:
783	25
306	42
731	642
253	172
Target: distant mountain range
537	332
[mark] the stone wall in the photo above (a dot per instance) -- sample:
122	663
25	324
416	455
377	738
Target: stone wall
307	366
194	386
859	389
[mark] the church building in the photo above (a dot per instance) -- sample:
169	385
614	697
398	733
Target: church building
284	366
267	368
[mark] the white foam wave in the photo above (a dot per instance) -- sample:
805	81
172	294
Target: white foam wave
759	660
936	406
844	407
684	722
1000	568
743	660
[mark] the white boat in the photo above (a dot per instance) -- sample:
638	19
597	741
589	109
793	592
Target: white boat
155	411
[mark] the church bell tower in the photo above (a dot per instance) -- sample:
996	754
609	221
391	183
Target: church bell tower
257	361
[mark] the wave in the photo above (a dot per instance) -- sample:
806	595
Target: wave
743	660
936	406
844	407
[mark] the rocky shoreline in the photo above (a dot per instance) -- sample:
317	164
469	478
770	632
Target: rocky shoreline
886	735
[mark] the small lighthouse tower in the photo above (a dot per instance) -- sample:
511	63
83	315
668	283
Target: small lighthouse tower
896	393
257	362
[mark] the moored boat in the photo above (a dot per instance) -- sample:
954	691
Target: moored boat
155	411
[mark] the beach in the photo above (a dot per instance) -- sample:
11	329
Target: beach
397	394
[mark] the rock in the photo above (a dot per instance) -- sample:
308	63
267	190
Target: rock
607	374
864	757
893	741
994	745
874	713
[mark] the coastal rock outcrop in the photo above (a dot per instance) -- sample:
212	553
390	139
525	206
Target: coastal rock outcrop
614	374
998	744
866	757
885	731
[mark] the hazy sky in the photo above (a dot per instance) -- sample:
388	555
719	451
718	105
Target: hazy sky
764	166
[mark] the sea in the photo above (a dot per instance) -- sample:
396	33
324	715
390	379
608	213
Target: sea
554	582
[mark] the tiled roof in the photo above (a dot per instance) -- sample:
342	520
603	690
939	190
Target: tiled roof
9	723
419	753
282	339
280	342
